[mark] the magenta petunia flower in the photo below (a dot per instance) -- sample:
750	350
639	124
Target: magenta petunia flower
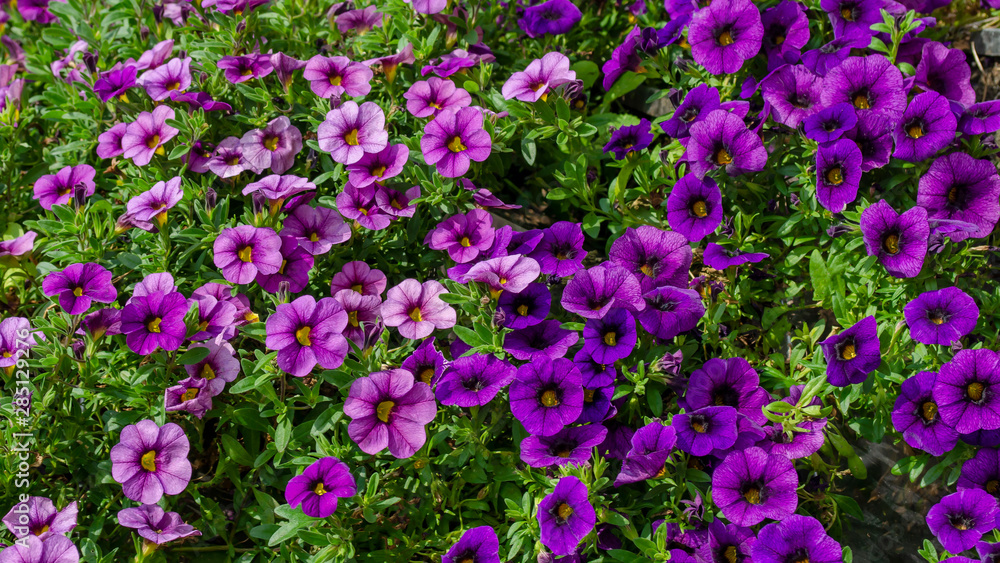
151	461
175	76
417	309
453	139
319	486
54	548
295	266
724	34
154	321
427	98
216	318
241	252
277	188
362	313
39	517
228	160
146	136
360	20
594	291
428	6
359	205
18	246
59	188
392	202
307	332
115	83
539	78
79	285
351	130
284	66
274	146
109	143
245	67
190	395
941	317
390	63
332	77
154	203
510	273
389	409
316	228
154	524
379	166
219	367
463	237
360	278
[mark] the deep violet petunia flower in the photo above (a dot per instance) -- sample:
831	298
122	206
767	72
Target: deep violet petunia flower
174	76
151	461
379	166
854	18
546	338
962	188
945	71
852	354
546	395
478	545
18	246
189	395
828	56
426	363
960	519
554	17
941	317
38	516
727	382
274	146
36	11
594	291
244	251
571	445
199	100
980	119
539	78
360	205
397	204
360	277
720	257
654	257
216	318
472	381
982	471
694	207
724	34
389	409
611	337
219	367
871	84
629	139
793	93
317	489
54	548
651	447
350	131
427	98
838	174
115	83
316	228
156	525
722	139
697	104
109	143
245	67
155	202
752	485
898	240
560	251
332	77
60	188
146	136
829	123
527	308
967	391
416	309
154	321
161	282
706	429
927	126
78	285
786	32
453	139
307	332
463	236
915	416
566	516
796	538
295	266
873	135
285	67
670	311
727	542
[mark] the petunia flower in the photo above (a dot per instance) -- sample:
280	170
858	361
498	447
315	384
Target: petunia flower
473	380
546	395
59	188
359	204
539	78
453	139
284	67
706	429
727	382
397	204
146	136
504	274
960	519
174	76
838	174
360	20
980	119
915	416
786	32
351	131
594	291
155	525
427	98
927	126
670	311
154	321
360	277
274	146
54	548
317	489
332	77
317	229
390	63
796	536
945	71
379	166
109	143
872	84
560	251
724	34
416	309
830	122
526	308
553	17
697	104
478	545
463	236
610	338
546	338
18	246
629	139
244	251
571	445
155	202
38	516
898	240
967	391
151	461
722	139
189	395
426	363
389	409
941	317
115	83
307	332
852	354
216	318
694	207
655	257
566	516
219	367
78	285
962	188
241	68
651	447
751	486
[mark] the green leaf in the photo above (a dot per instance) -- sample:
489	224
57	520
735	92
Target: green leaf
235	451
283	434
529	150
193	356
129	260
469	336
819	276
628	82
586	71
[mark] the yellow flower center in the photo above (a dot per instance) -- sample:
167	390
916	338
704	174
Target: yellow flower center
915	131
465	242
588	395
891	244
848	352
153	141
699	209
847	14
647	269
928	410
455	144
378	172
313	237
731	554
78	292
975	391
384	409
148	461
271	143
550	398
953	194
726	38
698	426
722	157
522	310
203	325
993	486
752	495
154	325
42	530
251	317
281	269
351	138
426	375
302	335
233	160
246	254
352	318
835	176
190	394
207	372
319	489
610	338
564	511
356	288
415	315
174	86
336	79
861	101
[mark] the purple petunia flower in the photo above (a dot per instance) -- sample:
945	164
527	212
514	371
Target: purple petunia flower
960	519
154	203
546	395
245	67
317	489
362	312
927	126
175	76
706	429
53	548
670	311
332	77
838	174
359	204
361	20
982	471
980	119
629	139
294	269
284	66
474	380
389	409
539	78
571	445
60	188
455	138
915	416
307	332
317	229
146	136
526	308
115	83
829	123
426	364
793	93
155	525
611	337
654	257
731	383
199	100
351	130
360	277
154	321
961	188
274	146
786	32
38	516
651	447
728	542
427	98
554	17
854	18
852	354
899	241
416	309
18	246
697	104
219	367
546	338
941	317
15	339
244	251
109	143
722	139
873	136
724	34
967	391
872	84
151	461
228	160
752	485
560	252
479	545
79	285
694	207
566	516
379	166
396	204
946	72
719	257
464	237
593	292
215	318
189	395
796	537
